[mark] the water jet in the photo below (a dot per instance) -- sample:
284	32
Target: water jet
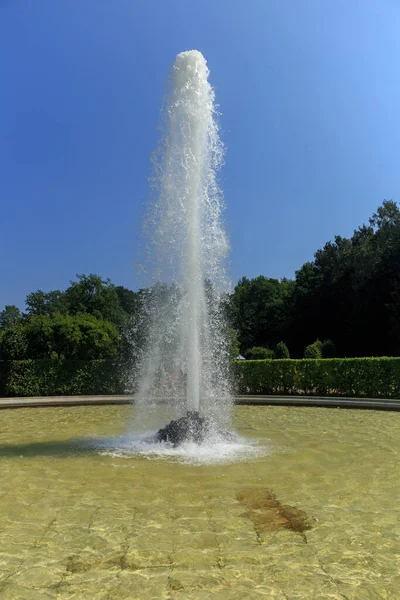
186	358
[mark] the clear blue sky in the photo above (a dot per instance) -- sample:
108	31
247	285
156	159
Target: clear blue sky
310	99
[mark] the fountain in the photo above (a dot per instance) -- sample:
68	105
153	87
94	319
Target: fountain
186	358
86	514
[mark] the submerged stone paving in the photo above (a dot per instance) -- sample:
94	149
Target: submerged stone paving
316	517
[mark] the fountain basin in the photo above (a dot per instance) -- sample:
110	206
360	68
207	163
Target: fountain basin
313	514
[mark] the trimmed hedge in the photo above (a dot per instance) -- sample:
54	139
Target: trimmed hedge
47	377
353	377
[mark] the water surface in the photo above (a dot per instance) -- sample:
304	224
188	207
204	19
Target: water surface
308	510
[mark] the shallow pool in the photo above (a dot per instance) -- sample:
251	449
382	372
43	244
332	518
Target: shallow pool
304	507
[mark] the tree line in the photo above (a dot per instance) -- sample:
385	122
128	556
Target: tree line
349	294
345	302
89	320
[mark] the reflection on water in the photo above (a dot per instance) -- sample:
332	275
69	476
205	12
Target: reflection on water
308	510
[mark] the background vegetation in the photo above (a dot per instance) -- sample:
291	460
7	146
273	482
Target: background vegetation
344	303
349	294
351	377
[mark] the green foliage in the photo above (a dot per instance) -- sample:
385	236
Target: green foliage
3	378
46	304
350	289
259	310
349	292
129	301
354	377
313	350
11	315
13	343
60	377
281	351
81	336
233	342
328	349
89	294
259	353
351	377
96	296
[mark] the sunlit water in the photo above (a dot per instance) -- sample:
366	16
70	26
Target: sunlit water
186	357
86	518
213	452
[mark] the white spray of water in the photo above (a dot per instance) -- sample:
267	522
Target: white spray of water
215	451
186	358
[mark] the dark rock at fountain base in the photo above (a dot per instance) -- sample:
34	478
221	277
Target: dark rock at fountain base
191	428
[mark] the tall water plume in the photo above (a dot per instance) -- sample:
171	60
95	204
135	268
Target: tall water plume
187	350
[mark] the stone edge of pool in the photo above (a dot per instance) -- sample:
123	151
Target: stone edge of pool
318	401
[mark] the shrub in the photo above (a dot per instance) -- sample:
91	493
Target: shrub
313	350
328	349
75	337
281	351
352	377
13	343
49	377
259	353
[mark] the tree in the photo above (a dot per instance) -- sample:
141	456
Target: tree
387	216
11	315
96	296
281	351
313	350
259	310
79	336
46	303
349	293
90	319
352	288
13	343
259	353
328	349
129	301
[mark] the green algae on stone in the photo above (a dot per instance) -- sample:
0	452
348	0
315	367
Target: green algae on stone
267	513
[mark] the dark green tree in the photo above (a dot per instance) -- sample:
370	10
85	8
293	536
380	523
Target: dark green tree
80	336
259	353
9	316
350	292
313	351
96	296
281	351
129	301
328	349
259	309
13	343
46	303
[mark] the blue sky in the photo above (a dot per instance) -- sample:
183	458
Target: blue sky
309	93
